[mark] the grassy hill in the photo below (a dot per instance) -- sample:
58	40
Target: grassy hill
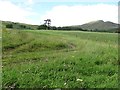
59	59
17	25
99	25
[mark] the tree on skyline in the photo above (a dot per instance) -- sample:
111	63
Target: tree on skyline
47	23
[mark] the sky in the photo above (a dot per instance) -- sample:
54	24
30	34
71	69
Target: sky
61	12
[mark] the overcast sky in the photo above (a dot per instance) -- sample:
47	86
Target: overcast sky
61	12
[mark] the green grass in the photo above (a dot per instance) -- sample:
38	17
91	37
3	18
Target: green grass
59	59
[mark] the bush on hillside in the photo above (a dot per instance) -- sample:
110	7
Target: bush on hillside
9	26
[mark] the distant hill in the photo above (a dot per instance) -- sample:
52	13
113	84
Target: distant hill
17	25
99	25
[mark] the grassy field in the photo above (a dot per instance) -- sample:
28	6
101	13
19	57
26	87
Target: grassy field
59	59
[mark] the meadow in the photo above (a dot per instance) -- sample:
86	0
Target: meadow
59	59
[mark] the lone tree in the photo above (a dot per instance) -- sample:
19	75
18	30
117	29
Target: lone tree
47	23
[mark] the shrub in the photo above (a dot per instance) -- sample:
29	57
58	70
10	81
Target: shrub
9	26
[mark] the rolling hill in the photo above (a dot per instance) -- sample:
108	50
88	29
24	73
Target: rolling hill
17	25
99	25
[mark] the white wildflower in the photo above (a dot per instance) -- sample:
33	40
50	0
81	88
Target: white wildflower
79	80
65	83
64	65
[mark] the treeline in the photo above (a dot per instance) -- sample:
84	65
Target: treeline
70	28
20	26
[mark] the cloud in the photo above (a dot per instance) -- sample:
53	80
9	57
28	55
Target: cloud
60	15
30	1
74	0
80	14
12	12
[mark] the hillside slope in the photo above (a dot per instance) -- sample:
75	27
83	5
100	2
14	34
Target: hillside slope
99	25
17	25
